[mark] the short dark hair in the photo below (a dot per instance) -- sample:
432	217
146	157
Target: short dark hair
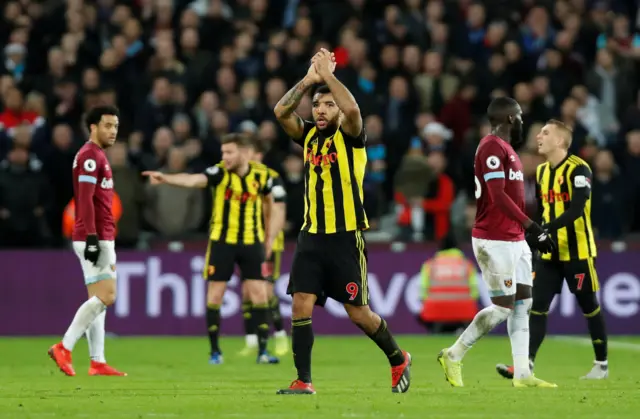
322	90
95	114
499	110
241	140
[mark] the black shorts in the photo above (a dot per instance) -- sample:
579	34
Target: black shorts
276	263
331	266
581	277
221	259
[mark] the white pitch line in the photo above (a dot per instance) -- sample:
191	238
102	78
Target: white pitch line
587	342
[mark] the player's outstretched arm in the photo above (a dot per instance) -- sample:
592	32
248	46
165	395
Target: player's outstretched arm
185	180
352	124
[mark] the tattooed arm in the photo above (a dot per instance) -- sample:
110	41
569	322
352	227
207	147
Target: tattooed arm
290	121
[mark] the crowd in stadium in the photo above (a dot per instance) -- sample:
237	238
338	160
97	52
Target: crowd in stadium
185	72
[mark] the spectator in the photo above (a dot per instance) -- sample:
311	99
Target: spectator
170	210
184	73
411	186
376	169
294	183
606	81
438	199
129	188
607	197
23	201
56	167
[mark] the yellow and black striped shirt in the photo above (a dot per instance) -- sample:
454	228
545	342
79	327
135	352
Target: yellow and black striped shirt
237	216
559	189
279	195
334	167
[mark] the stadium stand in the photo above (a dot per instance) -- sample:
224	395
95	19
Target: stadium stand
186	72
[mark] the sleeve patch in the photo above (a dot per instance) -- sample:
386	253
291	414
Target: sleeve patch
87	179
90	165
493	162
213	170
493	175
278	192
581	182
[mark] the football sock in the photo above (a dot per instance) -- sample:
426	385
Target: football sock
385	341
85	315
595	321
260	315
276	318
95	338
537	332
213	326
484	322
518	328
302	343
249	327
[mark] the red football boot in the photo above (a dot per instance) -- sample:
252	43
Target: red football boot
62	357
401	375
102	368
298	387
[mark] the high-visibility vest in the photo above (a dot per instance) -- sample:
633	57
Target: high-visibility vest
449	288
69	215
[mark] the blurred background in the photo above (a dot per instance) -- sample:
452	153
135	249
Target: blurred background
186	72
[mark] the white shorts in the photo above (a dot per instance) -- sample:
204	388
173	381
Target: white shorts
106	266
503	264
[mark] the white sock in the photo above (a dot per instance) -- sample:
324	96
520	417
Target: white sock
280	333
484	322
602	363
85	315
251	340
95	338
518	328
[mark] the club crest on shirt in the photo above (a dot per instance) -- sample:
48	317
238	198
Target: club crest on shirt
211	270
508	283
560	180
113	268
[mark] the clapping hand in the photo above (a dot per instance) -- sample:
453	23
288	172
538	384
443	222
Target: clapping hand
323	62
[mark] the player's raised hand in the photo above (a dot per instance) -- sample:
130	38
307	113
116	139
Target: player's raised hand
155	178
325	62
312	74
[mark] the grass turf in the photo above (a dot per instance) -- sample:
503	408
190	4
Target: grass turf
170	378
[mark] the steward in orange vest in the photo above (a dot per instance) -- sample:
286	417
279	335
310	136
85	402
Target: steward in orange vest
448	289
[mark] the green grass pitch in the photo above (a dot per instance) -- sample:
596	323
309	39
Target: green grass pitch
170	378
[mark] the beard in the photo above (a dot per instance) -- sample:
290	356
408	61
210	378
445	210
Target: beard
517	139
332	126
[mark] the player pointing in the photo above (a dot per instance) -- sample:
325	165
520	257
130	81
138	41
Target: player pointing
237	236
498	239
93	242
